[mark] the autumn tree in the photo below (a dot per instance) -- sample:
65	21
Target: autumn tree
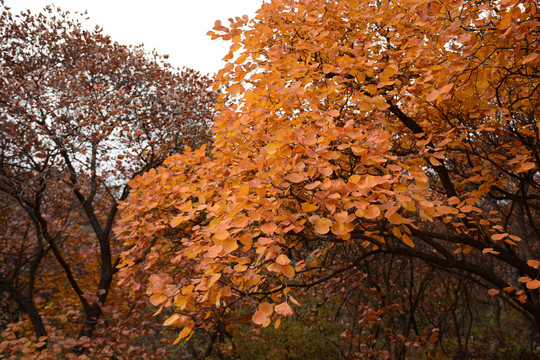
351	131
80	115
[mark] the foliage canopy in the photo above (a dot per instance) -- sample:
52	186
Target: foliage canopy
350	130
80	115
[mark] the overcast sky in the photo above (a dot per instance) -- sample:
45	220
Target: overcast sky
174	27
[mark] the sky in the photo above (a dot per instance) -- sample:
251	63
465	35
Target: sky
174	27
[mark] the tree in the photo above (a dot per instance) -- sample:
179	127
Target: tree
351	131
80	116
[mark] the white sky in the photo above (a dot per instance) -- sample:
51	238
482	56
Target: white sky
174	27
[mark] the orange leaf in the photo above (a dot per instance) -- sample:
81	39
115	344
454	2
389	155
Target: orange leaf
283	259
284	309
395	218
288	271
184	333
497	237
333	113
243	190
533	284
322	225
268	228
313	185
342	216
354	179
296	177
177	220
229	245
271	149
307	207
157	299
490	251
526	166
446	88
444	210
530	57
293	300
433	95
240	221
407	240
221	235
171	320
240	267
259	317
372	212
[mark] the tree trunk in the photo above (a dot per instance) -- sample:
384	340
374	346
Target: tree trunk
27	305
